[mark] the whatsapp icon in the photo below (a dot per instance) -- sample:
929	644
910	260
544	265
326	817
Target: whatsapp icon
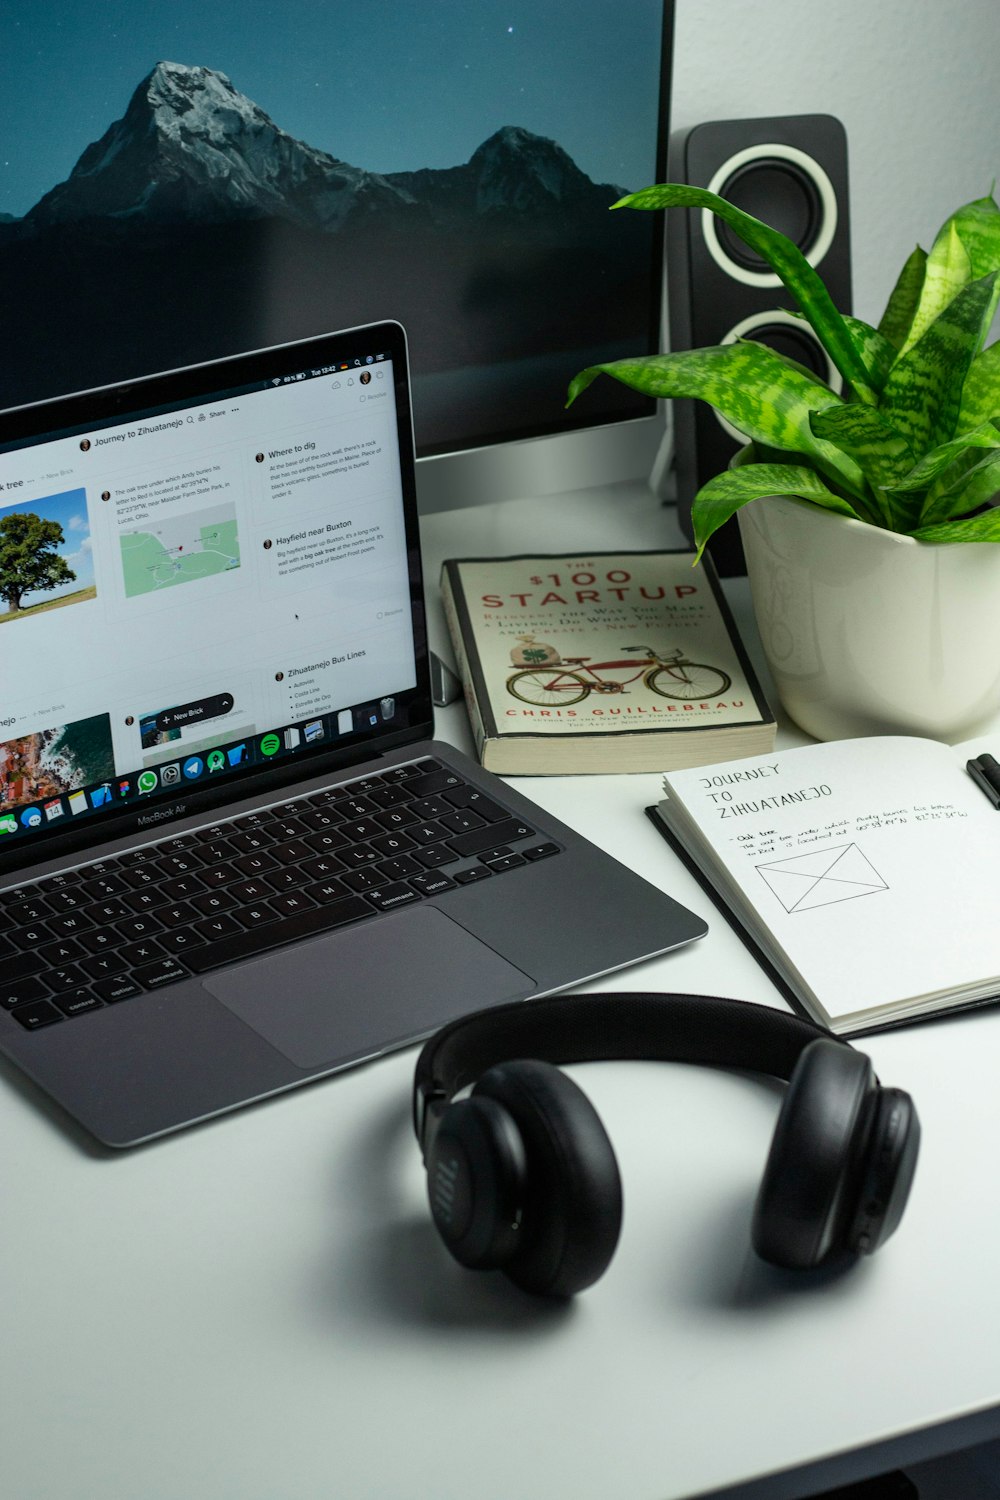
270	744
147	781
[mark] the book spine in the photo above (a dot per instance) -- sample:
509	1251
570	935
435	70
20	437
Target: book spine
462	650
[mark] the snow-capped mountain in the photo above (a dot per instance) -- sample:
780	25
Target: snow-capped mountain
191	147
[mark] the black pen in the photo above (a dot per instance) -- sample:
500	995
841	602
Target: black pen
985	772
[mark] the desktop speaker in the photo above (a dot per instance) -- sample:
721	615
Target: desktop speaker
522	1177
790	172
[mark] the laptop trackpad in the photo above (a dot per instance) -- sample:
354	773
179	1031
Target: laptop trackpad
364	989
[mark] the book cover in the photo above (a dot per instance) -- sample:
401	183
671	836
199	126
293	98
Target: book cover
601	662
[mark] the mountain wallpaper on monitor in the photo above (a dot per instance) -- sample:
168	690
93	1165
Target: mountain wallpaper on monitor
196	226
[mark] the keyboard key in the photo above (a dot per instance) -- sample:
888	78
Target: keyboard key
69	977
254	864
291	852
292	902
469	797
164	971
221	926
20	991
214	901
508	862
257	915
493	834
469	877
181	887
99	939
38	1014
398	869
113	990
365	880
391	843
74	1002
435	855
102	965
431	884
392	896
34	936
144	952
69	924
138	927
540	851
60	953
180	939
434	781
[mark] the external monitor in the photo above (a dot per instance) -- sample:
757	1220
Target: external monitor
213	179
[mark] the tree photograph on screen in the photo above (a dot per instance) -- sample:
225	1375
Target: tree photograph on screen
183	181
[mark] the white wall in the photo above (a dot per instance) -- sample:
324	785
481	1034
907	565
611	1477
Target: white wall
916	84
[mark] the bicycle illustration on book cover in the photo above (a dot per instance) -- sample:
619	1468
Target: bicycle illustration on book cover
546	679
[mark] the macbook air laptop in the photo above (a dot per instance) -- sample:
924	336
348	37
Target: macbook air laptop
232	858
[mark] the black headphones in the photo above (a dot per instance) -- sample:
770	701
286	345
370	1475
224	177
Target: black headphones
522	1175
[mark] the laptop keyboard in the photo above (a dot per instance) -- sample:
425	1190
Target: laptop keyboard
117	928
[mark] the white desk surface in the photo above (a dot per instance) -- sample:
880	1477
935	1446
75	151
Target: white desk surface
258	1309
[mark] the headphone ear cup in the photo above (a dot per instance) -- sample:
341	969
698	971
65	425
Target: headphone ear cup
572	1207
815	1169
475	1182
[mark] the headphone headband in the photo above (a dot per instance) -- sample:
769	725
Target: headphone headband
563	1028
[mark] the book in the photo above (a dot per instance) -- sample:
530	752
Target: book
863	873
594	662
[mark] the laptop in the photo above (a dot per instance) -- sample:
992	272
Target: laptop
232	857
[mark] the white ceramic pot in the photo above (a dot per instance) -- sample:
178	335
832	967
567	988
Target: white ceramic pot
868	632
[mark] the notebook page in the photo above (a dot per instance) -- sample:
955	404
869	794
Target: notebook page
875	864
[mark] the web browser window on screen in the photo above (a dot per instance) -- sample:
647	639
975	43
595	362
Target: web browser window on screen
196	588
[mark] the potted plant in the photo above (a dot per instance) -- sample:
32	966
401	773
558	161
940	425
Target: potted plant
866	513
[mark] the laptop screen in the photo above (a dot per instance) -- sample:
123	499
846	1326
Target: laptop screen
206	578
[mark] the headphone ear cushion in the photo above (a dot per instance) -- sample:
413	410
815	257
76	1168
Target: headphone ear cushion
815	1168
572	1208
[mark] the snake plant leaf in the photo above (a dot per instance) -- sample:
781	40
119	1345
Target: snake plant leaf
981	528
933	464
923	395
976	487
877	351
763	395
947	271
723	496
978	226
981	392
882	454
897	320
786	261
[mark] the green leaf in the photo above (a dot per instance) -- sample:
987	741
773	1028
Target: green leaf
723	496
978	226
922	397
947	271
981	528
923	474
981	392
878	353
760	393
976	487
786	261
897	320
881	453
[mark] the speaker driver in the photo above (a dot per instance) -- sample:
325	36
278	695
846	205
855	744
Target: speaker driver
791	189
